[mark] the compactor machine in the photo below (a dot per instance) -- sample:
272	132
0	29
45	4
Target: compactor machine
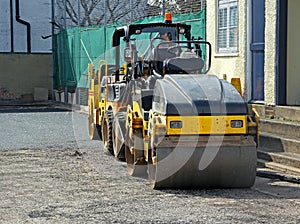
158	108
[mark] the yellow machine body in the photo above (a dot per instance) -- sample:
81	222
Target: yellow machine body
166	117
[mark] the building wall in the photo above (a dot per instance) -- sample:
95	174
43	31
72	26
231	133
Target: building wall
25	75
270	52
38	14
293	52
234	65
21	74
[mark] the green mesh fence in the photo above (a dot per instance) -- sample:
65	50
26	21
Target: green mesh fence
74	48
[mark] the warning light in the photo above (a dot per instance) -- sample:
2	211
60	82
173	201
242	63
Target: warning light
168	17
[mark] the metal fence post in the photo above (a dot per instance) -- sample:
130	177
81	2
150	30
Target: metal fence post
65	14
78	8
131	11
105	12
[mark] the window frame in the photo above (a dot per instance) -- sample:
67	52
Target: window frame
228	6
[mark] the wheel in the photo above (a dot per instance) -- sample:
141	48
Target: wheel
107	132
99	132
118	135
152	161
93	128
134	154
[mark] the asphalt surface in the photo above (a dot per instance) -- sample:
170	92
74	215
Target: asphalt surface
52	173
43	128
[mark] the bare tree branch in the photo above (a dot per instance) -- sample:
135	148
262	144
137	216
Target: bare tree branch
71	12
94	12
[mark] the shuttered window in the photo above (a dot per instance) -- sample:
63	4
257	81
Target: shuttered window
227	26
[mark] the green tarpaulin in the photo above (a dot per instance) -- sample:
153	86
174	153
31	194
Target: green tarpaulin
75	48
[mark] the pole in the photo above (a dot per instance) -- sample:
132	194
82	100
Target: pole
78	61
130	11
65	14
105	5
12	48
163	8
78	9
53	50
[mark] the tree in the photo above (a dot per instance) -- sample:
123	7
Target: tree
179	6
96	12
70	13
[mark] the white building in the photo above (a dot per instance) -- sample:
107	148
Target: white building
257	41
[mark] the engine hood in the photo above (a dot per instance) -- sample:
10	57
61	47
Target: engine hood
200	94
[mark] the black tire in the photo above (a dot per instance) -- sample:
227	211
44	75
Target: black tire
151	163
107	132
136	164
93	128
119	119
98	128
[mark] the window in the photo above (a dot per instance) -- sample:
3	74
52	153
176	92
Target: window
227	26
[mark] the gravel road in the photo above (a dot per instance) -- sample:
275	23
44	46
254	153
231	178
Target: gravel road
52	173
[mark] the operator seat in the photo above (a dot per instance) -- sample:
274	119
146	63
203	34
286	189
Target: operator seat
161	53
186	63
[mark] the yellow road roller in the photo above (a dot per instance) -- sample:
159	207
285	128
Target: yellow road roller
158	109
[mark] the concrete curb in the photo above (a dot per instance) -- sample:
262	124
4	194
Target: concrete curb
8	105
271	174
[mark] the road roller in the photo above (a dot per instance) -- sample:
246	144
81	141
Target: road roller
158	108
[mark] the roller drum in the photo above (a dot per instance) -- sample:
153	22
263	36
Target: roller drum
182	167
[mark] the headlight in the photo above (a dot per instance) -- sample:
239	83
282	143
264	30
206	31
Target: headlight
236	123
175	124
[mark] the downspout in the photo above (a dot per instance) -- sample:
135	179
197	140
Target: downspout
248	79
281	49
27	24
53	51
11	27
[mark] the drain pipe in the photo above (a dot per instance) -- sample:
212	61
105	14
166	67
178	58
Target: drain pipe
11	28
27	24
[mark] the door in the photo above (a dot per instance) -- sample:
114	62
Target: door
257	49
293	52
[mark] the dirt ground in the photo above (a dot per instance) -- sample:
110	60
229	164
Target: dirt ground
50	172
88	186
